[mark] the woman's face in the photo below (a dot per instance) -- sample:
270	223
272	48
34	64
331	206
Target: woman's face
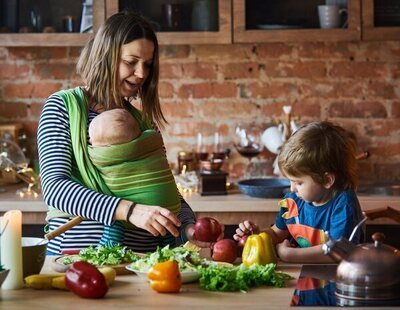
134	66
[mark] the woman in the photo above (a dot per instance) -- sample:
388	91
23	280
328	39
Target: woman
119	64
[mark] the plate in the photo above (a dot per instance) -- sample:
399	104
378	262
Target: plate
188	276
59	266
264	188
276	26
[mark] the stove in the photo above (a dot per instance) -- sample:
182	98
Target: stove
316	287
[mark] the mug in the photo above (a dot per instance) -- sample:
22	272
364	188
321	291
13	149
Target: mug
272	138
329	16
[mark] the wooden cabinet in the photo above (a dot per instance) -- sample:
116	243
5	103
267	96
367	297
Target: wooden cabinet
305	30
234	25
222	34
58	38
372	29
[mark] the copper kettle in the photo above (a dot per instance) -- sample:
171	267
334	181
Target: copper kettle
367	271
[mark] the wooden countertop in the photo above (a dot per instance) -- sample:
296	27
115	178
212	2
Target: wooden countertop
131	292
230	209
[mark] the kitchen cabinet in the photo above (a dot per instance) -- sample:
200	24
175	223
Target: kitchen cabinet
284	26
184	32
381	20
34	17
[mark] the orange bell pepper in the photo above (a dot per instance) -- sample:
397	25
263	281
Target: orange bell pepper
165	277
259	249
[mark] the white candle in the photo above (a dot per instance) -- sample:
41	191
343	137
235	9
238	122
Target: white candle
11	249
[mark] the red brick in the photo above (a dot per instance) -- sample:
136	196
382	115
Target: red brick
381	128
171	71
57	71
363	109
389	172
199	70
358	70
249	70
37	53
385	150
165	90
74	52
396	109
13	71
306	70
380	89
208	90
320	50
331	89
272	90
395	71
34	110
230	109
176	110
174	51
30	90
12	110
275	51
3	52
224	52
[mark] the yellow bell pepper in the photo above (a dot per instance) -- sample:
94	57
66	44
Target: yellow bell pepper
259	249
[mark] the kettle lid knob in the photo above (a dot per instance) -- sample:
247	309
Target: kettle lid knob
378	238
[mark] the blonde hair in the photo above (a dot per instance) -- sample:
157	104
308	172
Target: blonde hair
321	147
99	61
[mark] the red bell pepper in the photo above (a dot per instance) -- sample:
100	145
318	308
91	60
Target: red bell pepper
85	280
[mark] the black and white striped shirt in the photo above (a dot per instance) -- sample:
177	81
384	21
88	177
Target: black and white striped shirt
61	192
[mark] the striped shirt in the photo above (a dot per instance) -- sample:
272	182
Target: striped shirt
61	192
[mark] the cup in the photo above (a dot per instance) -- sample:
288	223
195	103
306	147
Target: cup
205	15
329	16
272	138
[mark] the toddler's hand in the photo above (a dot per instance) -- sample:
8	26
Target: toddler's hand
246	228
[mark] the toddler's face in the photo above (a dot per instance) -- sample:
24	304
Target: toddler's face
309	190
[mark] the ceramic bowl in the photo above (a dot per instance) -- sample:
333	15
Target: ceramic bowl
33	255
264	188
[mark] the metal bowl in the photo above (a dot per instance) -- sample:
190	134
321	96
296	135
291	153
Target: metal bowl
264	188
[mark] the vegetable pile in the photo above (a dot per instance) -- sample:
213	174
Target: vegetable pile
240	278
109	255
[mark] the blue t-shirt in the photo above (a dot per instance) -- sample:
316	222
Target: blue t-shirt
307	223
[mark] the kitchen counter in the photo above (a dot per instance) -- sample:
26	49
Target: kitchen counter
229	209
131	292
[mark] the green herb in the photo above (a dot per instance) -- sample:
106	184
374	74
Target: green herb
108	255
240	278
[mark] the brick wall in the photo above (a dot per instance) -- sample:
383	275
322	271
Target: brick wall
211	88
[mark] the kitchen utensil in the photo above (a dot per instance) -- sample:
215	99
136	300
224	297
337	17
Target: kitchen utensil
63	228
367	271
264	188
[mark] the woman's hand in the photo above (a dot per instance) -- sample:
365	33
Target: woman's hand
189	231
246	228
154	219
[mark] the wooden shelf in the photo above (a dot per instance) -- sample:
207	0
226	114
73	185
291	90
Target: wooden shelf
372	33
243	35
43	39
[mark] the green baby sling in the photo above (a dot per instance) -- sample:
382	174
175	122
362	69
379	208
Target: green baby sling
136	171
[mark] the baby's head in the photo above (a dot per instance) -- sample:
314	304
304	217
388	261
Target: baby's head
115	126
319	148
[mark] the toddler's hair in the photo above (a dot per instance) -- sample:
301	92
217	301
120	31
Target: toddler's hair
321	147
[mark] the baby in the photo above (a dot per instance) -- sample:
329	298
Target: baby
115	126
132	163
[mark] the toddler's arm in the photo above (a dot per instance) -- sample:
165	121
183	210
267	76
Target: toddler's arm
310	255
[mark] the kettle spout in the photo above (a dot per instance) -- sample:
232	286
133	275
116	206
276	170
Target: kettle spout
337	249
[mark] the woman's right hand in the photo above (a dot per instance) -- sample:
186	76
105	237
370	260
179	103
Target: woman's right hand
246	228
155	219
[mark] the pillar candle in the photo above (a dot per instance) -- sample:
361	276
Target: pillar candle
11	249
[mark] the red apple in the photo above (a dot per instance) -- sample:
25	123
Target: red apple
224	250
207	229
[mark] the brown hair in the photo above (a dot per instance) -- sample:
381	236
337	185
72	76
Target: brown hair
99	61
321	147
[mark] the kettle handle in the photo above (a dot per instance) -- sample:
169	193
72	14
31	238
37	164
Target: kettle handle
383	212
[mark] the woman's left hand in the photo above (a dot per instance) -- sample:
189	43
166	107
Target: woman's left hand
189	230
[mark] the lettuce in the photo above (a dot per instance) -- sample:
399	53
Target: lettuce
240	278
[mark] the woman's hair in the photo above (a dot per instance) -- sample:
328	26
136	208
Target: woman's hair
99	62
321	147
